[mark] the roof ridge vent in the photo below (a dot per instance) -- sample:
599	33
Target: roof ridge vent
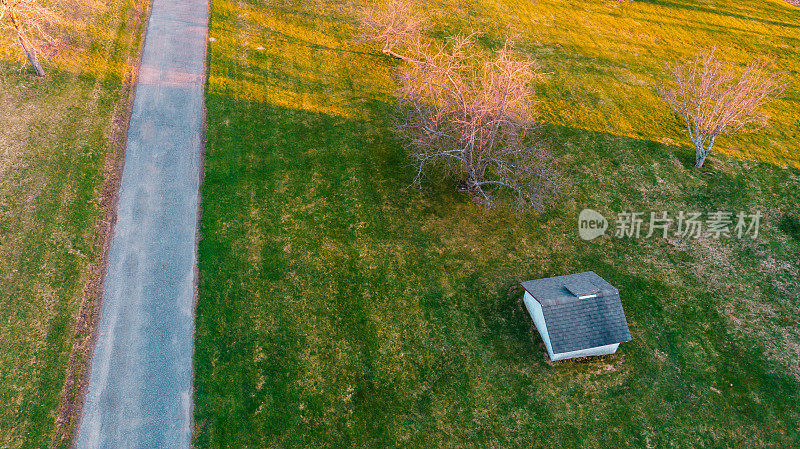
582	288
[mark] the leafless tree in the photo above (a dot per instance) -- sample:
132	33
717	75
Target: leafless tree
714	99
398	24
28	18
473	116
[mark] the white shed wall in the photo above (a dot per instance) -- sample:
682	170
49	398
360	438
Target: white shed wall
600	350
535	310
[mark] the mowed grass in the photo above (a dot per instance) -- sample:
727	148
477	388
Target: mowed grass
339	307
55	138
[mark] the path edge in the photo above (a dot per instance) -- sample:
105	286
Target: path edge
84	332
193	431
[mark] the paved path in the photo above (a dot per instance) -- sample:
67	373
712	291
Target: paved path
140	390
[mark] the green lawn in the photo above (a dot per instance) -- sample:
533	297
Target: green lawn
57	135
340	308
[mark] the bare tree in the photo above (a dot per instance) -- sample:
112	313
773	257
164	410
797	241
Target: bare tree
396	24
713	99
473	116
26	18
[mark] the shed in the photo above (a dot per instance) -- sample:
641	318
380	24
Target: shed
577	315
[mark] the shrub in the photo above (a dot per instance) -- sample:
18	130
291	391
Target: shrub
474	117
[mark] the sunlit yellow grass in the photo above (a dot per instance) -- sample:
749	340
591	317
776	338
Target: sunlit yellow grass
604	59
615	52
82	44
302	46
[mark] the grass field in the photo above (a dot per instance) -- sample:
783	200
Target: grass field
340	308
58	141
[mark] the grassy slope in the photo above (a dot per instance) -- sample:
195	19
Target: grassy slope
338	308
54	141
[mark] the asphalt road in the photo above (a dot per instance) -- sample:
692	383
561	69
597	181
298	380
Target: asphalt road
140	389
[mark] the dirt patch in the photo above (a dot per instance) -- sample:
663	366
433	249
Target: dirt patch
85	329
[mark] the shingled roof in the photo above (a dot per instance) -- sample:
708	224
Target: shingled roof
581	311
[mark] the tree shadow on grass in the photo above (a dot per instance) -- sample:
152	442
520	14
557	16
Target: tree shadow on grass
790	224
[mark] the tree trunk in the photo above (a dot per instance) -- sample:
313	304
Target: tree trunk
699	157
700	160
29	50
704	152
389	52
31	55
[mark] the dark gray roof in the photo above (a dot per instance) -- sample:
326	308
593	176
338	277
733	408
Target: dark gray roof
574	324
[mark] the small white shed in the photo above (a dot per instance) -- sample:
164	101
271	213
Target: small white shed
577	315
